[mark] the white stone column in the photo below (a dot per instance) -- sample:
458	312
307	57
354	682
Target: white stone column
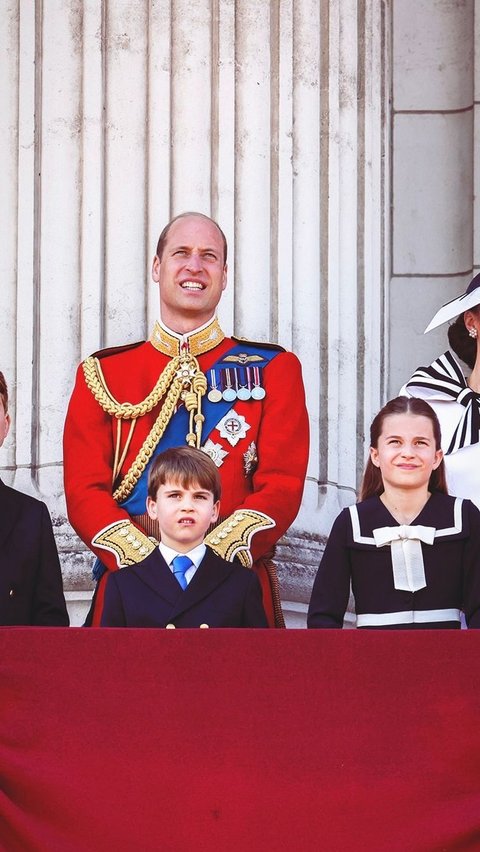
432	220
270	116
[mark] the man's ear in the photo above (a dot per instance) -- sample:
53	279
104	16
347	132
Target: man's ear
156	269
152	508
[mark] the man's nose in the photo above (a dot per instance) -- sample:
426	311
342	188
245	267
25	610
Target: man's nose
194	262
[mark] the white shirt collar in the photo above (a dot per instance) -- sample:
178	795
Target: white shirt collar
196	555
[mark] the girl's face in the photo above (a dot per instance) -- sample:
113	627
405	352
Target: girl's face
406	453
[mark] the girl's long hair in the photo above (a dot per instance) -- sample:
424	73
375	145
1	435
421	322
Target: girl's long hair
372	482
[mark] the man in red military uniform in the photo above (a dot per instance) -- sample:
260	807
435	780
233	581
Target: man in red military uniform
243	403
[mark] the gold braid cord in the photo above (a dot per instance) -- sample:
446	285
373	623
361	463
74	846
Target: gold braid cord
129	544
95	382
182	379
233	536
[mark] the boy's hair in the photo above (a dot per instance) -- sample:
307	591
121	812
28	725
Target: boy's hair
188	467
372	483
3	392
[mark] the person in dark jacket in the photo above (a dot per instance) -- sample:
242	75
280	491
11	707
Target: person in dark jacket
31	591
183	582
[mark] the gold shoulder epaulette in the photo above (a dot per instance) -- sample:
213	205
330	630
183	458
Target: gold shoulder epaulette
260	343
129	544
233	536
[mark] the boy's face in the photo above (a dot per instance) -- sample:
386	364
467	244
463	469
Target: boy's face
183	514
4	422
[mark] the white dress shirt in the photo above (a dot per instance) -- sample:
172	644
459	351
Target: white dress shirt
196	555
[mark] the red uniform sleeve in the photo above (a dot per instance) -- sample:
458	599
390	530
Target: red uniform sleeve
88	455
283	446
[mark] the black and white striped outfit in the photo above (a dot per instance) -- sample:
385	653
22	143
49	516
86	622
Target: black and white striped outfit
457	407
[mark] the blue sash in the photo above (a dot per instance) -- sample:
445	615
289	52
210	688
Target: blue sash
178	428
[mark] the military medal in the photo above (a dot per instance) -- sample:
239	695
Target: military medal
229	394
214	394
215	451
243	392
250	459
232	427
257	391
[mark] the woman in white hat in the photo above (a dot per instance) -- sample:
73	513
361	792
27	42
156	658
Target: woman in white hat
454	397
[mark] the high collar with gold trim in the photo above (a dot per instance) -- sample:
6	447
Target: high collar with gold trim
196	342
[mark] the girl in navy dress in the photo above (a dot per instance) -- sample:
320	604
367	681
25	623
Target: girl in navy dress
410	550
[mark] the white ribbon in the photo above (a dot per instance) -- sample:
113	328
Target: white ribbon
407	557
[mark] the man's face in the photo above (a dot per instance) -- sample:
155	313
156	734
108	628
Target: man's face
191	274
4	422
184	514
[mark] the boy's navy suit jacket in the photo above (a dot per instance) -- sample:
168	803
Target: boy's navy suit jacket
31	589
220	594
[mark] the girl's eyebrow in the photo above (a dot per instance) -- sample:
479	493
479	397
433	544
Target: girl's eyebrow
415	437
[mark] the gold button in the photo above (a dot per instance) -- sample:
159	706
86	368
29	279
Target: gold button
204	625
170	626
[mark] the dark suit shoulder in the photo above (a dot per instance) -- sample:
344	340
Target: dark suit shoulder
20	499
235	567
125	574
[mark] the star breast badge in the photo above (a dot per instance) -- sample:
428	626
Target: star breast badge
233	427
215	451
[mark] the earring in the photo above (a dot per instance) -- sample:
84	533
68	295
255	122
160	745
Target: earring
473	332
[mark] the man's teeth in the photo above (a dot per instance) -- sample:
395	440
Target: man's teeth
192	285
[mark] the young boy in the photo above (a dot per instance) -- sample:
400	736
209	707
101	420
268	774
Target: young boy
31	591
183	583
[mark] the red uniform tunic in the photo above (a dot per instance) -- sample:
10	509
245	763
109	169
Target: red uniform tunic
262	474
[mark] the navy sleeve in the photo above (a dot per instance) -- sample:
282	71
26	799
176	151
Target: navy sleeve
331	589
48	604
113	614
253	612
471	568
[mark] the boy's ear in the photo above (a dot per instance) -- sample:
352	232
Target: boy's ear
152	508
215	511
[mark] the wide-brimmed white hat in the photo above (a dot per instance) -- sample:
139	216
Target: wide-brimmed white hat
469	299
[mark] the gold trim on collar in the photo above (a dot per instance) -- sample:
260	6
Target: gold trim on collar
198	342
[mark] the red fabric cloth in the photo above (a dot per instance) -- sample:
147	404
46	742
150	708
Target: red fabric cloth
237	739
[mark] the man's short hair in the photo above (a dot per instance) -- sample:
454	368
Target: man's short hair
186	466
3	392
163	236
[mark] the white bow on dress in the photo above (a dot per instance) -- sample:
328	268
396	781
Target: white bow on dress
407	557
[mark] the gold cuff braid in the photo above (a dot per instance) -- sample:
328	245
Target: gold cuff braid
129	544
233	536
